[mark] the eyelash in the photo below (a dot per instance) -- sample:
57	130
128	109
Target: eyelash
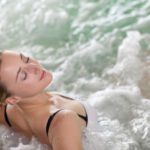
25	75
27	60
25	72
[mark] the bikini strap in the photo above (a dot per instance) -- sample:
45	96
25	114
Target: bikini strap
85	118
51	117
6	116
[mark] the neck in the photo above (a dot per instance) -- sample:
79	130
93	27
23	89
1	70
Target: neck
28	105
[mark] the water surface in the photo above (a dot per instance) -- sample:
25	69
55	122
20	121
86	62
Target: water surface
98	51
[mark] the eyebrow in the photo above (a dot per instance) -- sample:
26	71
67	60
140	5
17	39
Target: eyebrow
19	68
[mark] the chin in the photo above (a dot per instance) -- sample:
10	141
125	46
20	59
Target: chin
50	78
48	83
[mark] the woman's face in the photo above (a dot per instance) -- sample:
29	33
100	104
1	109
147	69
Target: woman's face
22	75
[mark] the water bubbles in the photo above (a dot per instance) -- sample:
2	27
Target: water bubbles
53	16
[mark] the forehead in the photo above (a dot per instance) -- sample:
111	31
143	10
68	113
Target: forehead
9	53
9	64
9	59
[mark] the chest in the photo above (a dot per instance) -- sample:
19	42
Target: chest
35	122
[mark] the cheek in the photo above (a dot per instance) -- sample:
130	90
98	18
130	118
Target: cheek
27	89
25	86
32	84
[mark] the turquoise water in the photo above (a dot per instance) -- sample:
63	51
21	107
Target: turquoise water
99	51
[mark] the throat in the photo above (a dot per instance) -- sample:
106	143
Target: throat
34	104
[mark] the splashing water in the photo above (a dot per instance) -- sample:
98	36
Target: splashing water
98	51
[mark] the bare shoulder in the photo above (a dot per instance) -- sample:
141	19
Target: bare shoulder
66	127
64	117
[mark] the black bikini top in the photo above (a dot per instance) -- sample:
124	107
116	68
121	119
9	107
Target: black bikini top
85	118
49	121
6	116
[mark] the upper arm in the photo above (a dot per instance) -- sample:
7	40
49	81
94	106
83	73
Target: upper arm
66	133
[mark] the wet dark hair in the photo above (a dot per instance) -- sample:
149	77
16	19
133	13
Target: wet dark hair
3	90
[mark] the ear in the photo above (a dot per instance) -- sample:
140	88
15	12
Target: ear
12	100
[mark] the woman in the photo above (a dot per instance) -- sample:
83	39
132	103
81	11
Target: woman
54	119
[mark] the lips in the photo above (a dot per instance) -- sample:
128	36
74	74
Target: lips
42	75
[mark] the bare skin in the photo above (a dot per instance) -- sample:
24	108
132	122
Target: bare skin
30	106
31	120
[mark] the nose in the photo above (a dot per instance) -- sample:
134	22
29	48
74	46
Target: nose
32	68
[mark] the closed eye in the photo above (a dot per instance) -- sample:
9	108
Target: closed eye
25	60
25	75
